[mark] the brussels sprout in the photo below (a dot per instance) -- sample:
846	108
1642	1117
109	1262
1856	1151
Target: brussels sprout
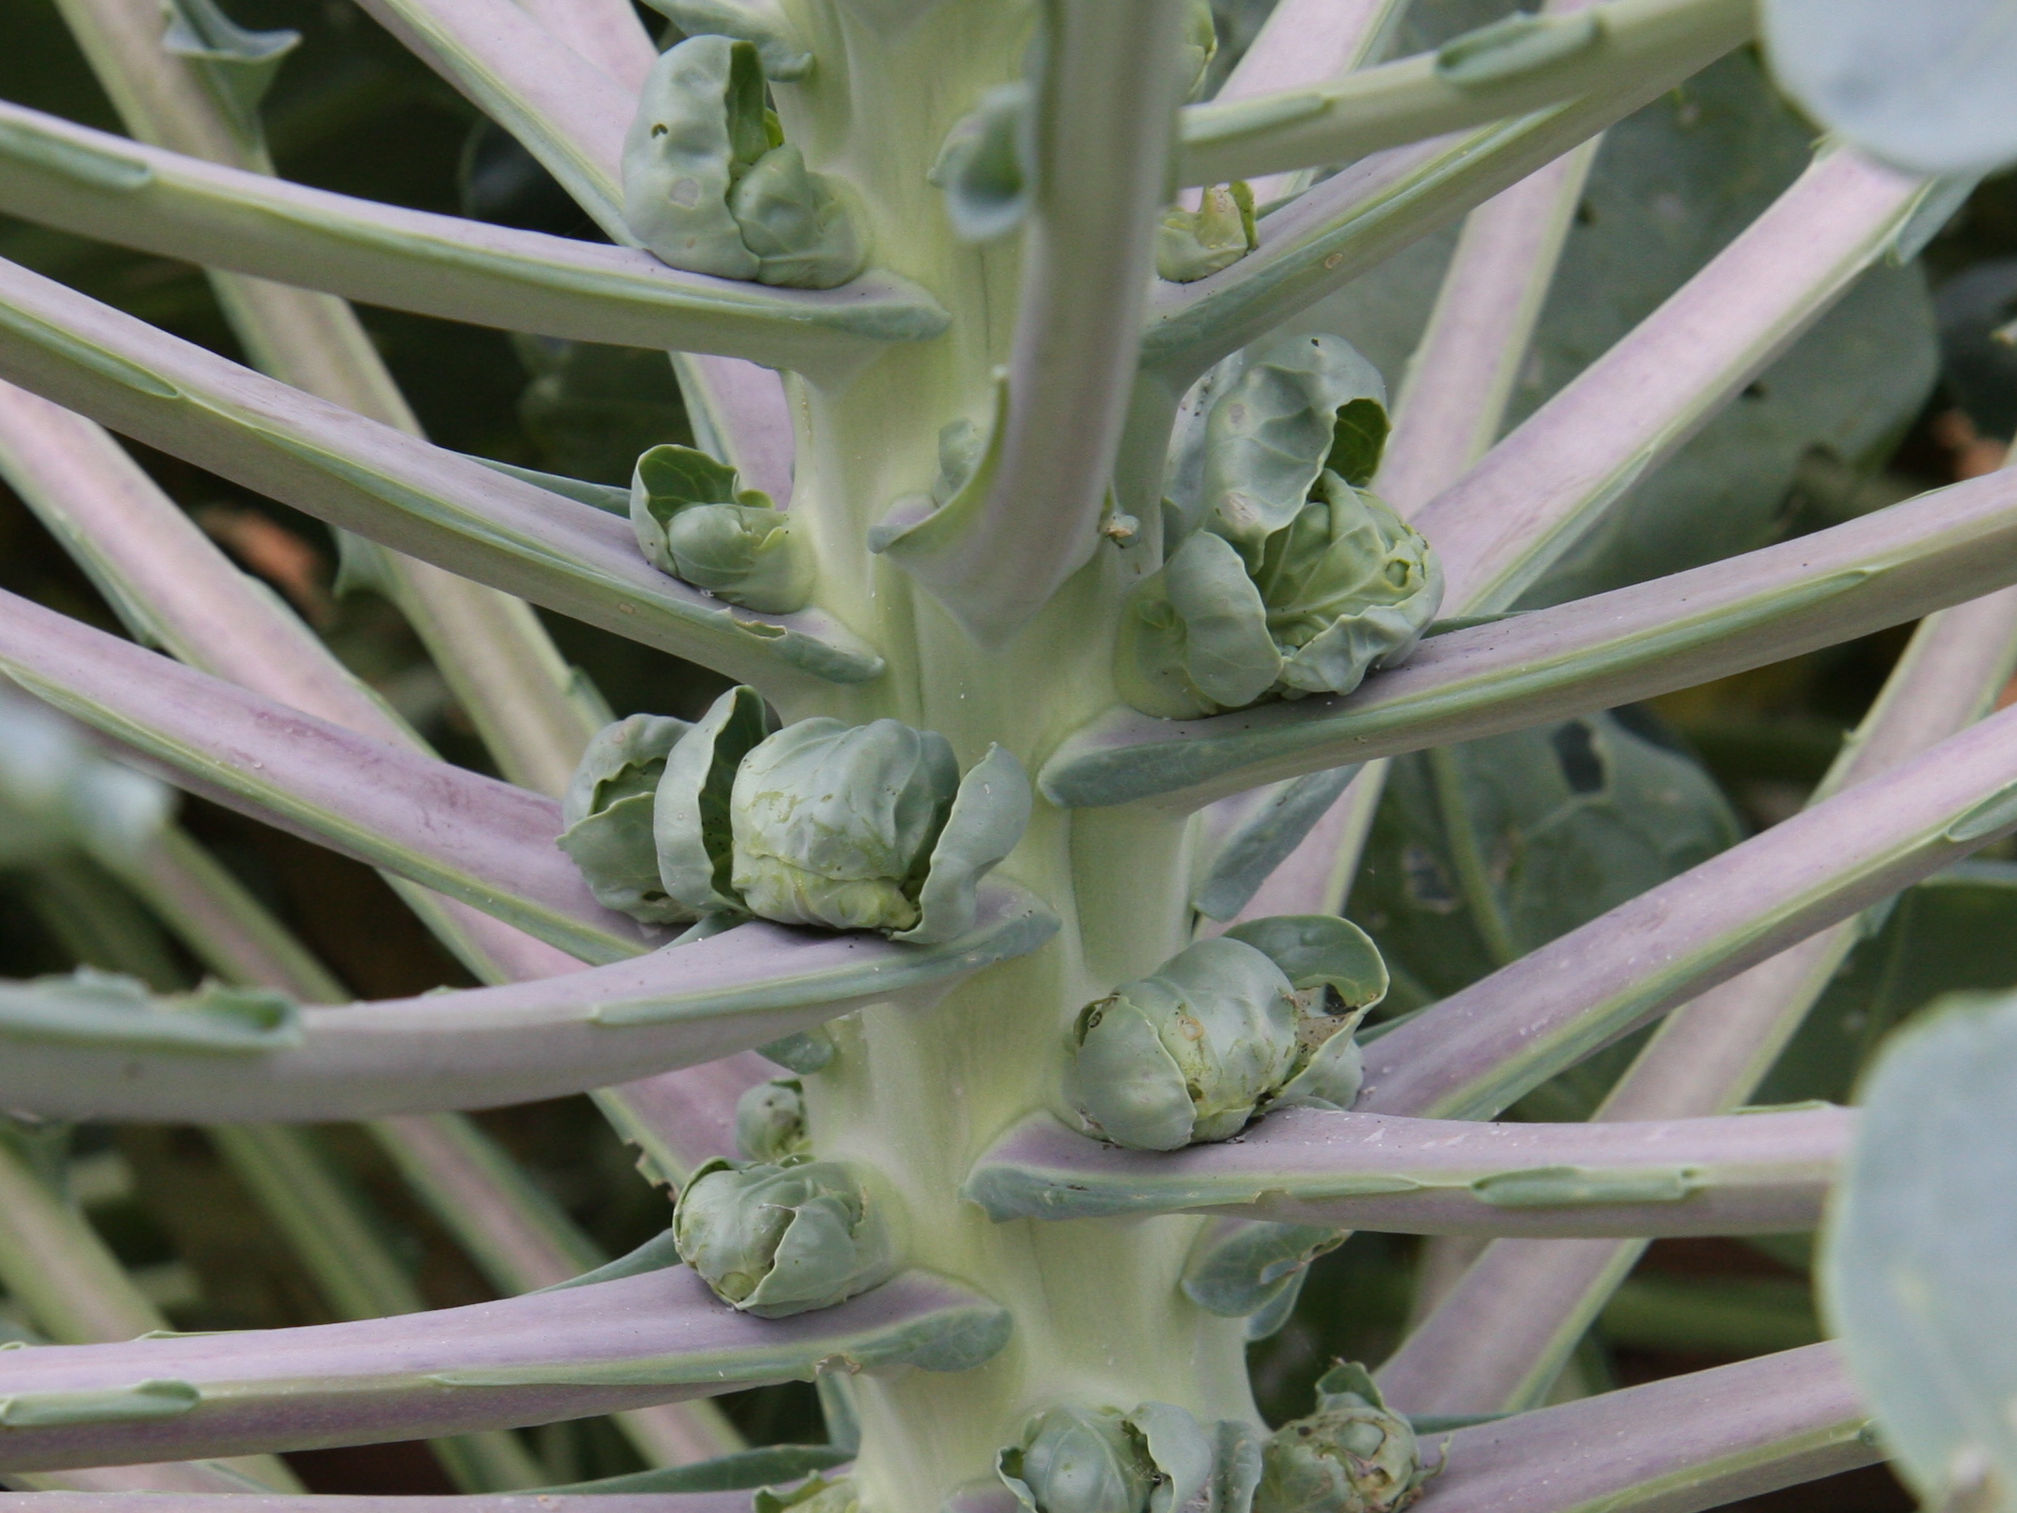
986	166
1351	1456
607	811
1223	1030
1158	1459
1079	1460
775	1239
694	520
709	186
1187	1054
1195	244
770	1120
1345	587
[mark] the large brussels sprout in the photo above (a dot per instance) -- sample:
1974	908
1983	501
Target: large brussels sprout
848	827
1287	577
694	520
775	1239
607	810
1223	1030
1351	1456
1157	1459
709	186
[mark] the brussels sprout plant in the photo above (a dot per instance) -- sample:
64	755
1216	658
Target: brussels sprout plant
1131	498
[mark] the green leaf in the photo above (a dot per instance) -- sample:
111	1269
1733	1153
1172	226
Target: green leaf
1481	852
102	1008
1239	1269
690	824
608	813
1304	404
1949	934
990	812
784	58
1915	1260
236	65
1927	86
1320	950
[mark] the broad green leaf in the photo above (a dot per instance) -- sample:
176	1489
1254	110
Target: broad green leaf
1949	934
1483	851
1927	86
237	65
1915	1266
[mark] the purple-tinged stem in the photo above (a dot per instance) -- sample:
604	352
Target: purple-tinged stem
1764	606
484	842
579	1351
224	217
606	32
678	1120
1739	1174
362	475
482	1047
335	1502
1673	1446
1479	1049
1496	1339
1499	527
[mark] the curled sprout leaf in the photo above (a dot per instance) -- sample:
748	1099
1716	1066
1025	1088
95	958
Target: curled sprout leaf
709	186
770	1121
1304	405
1223	1031
774	1239
816	1494
1157	1459
751	21
987	165
694	520
1195	244
690	823
1344	588
236	65
1352	1455
607	810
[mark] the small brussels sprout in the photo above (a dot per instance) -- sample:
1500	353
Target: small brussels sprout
694	520
987	163
1187	1054
1351	1456
770	1121
774	1239
1158	1459
1079	1460
709	186
1195	244
1200	46
607	811
1224	1030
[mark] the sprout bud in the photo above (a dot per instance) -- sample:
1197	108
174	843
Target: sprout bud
1224	1030
1351	1456
694	520
778	1239
1195	244
1079	1460
607	811
770	1121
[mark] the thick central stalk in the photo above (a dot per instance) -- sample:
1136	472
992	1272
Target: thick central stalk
914	1097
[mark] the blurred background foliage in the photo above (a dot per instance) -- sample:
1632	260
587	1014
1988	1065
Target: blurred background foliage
1479	853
